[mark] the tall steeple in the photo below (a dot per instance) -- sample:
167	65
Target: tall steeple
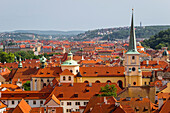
132	41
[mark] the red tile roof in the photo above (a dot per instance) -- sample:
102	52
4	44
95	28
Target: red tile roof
82	90
22	107
102	71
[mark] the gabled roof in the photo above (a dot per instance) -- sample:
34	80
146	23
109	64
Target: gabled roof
2	105
96	101
66	72
22	107
165	107
83	91
52	97
47	72
102	71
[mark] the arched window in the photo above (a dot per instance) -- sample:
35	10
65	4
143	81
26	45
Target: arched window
108	81
44	84
69	78
97	81
86	81
64	78
133	57
145	83
134	83
120	83
71	70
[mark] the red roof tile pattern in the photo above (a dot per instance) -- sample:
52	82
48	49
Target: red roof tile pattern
102	71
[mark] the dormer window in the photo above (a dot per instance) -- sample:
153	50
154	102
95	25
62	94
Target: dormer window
61	95
107	72
84	72
41	73
48	73
76	95
96	72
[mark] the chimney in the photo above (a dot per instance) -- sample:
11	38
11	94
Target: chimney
160	103
157	62
0	70
91	109
71	84
59	84
117	103
0	94
141	98
105	100
90	84
147	62
4	69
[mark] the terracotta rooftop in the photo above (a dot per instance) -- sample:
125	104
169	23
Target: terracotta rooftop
102	71
22	107
79	91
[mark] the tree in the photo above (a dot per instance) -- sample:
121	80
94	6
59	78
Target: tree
7	57
108	90
27	86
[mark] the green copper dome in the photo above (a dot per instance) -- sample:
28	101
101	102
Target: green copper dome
165	53
70	62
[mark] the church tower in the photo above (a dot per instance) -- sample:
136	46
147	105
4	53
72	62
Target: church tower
133	74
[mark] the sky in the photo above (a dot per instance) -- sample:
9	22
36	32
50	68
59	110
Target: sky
68	15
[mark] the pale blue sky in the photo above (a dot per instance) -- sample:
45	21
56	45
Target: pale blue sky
80	14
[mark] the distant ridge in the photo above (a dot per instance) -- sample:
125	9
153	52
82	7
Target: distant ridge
49	32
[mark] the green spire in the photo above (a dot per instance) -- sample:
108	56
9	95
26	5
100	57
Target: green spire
132	41
20	64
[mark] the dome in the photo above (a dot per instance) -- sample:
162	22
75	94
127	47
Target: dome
70	54
165	53
70	62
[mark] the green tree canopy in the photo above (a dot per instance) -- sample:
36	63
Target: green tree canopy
7	57
162	39
108	90
27	86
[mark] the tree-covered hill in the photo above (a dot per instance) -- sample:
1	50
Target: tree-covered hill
161	39
121	32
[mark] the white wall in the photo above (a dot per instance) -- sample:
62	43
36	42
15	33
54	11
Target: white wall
73	104
2	110
16	102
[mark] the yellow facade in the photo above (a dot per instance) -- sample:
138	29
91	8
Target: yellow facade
133	74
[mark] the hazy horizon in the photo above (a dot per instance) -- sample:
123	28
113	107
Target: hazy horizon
81	15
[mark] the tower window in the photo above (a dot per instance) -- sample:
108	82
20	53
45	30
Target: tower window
133	69
133	57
